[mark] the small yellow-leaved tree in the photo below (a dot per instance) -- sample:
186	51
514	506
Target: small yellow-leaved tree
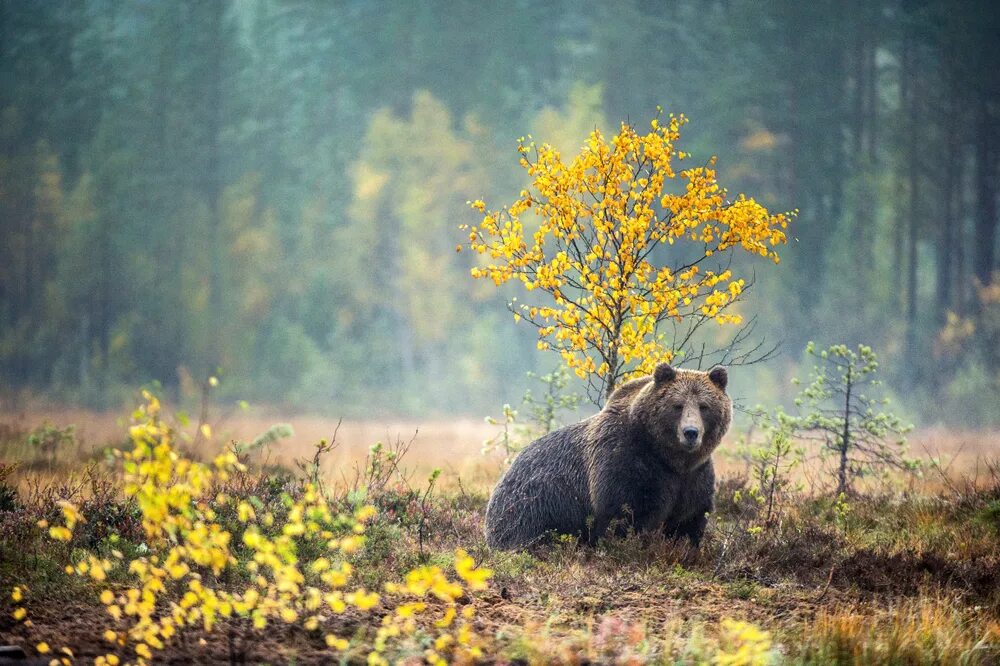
620	244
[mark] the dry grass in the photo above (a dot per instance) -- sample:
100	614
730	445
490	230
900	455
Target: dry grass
452	445
926	630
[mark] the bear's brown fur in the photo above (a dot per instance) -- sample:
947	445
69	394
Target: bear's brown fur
645	459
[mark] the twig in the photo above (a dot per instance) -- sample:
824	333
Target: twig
829	579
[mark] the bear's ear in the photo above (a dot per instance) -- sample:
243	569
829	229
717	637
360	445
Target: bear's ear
719	376
663	373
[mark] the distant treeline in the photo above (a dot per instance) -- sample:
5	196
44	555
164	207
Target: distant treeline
271	189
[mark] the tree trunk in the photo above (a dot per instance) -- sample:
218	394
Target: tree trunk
984	248
612	371
899	236
859	88
961	275
872	90
213	177
845	436
863	150
612	360
944	302
913	209
104	300
84	361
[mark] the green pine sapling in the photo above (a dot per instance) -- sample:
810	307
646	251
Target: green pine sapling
846	419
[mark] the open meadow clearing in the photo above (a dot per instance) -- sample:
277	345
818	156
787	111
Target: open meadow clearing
909	573
454	446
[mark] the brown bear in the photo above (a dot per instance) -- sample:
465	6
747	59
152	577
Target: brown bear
643	461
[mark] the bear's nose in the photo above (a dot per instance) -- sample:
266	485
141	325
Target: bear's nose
691	434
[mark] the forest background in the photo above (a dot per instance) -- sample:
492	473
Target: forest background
271	191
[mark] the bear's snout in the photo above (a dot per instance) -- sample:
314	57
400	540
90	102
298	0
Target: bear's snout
689	429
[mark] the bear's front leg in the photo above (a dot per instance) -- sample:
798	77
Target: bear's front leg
625	508
693	528
610	510
700	501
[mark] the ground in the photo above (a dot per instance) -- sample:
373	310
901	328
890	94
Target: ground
907	572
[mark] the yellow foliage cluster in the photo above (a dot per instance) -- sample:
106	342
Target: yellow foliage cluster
743	644
593	251
955	332
197	571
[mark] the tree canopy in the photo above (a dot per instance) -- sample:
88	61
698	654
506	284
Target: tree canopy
272	189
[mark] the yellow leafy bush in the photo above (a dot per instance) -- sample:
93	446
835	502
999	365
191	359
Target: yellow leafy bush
743	644
210	557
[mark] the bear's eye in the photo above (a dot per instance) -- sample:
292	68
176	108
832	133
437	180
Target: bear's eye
702	406
678	406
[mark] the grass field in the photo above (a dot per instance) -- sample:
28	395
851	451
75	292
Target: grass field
455	446
907	573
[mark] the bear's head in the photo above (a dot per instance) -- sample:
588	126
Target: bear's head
685	413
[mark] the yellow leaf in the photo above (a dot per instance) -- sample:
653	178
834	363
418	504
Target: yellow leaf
60	533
